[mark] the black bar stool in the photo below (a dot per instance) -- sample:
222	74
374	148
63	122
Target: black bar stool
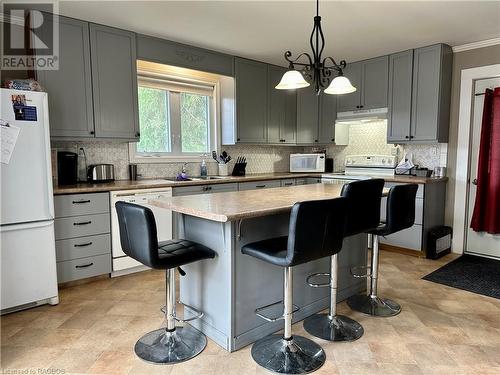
363	213
139	241
315	231
400	215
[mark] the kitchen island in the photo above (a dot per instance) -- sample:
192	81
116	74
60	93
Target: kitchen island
230	287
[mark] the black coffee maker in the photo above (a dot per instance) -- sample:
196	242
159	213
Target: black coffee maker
67	168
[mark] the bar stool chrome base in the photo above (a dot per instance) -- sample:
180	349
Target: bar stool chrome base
374	306
336	328
298	355
169	347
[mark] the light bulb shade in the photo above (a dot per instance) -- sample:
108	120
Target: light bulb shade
340	85
292	79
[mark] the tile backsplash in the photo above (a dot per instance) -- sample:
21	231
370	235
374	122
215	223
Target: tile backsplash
364	138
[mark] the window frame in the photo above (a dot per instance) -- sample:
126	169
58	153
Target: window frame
163	81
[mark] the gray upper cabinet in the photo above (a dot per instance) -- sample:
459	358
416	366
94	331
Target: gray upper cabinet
432	67
370	79
177	54
351	102
419	95
328	115
70	87
282	109
251	101
400	92
307	116
374	86
114	82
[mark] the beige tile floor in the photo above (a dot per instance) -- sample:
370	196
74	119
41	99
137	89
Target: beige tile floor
93	330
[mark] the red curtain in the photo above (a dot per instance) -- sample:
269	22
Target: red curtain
486	216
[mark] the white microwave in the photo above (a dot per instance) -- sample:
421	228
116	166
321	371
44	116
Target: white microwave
307	162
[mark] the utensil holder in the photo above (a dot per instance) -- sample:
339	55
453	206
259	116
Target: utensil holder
223	170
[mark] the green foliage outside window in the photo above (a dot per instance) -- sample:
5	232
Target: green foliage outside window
154	120
194	123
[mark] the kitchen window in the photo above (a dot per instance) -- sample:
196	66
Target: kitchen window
176	120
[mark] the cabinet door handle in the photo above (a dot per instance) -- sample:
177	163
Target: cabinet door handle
474	181
92	132
83	223
407	137
288	183
260	186
83	244
81	201
315	140
85	265
137	134
411	136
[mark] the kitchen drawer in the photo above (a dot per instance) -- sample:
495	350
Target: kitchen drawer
288	182
203	189
420	190
258	185
82	268
410	238
419	210
82	247
78	226
81	204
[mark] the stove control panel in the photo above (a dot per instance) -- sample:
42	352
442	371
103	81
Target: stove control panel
371	161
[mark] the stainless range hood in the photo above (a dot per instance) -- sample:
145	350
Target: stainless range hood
362	114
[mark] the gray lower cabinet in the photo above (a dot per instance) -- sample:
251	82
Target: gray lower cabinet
203	189
419	95
281	110
82	233
370	78
288	182
259	185
429	213
307	180
114	82
251	101
70	86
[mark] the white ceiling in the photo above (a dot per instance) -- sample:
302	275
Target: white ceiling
264	30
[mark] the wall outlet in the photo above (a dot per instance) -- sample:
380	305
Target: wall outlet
394	151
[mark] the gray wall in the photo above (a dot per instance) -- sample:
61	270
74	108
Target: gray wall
462	60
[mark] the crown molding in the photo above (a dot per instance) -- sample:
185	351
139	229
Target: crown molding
474	45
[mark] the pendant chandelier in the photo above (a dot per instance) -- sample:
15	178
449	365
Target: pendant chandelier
324	73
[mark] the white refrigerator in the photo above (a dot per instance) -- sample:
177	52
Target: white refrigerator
27	244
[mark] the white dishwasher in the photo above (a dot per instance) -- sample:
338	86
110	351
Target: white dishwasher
122	264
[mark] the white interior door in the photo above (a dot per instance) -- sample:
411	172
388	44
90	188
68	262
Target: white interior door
479	243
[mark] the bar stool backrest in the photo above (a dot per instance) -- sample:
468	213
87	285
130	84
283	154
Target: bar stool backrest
138	234
363	211
316	230
400	208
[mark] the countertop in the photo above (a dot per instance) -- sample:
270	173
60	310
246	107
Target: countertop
229	206
161	183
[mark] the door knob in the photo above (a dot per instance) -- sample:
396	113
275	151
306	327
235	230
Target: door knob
474	181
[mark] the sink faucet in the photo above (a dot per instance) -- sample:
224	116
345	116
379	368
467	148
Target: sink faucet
184	169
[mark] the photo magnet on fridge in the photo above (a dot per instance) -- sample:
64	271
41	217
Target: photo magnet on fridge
22	111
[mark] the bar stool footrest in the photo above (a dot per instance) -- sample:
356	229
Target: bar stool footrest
356	271
197	313
273	319
318	285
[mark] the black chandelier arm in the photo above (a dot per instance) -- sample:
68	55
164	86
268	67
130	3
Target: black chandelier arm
338	67
293	62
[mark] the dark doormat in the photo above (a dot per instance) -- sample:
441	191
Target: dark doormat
474	274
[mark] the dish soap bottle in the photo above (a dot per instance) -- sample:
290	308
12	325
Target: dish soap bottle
203	168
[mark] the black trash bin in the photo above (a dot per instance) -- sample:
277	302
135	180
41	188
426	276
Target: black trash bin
438	242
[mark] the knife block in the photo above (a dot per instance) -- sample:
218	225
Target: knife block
239	169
